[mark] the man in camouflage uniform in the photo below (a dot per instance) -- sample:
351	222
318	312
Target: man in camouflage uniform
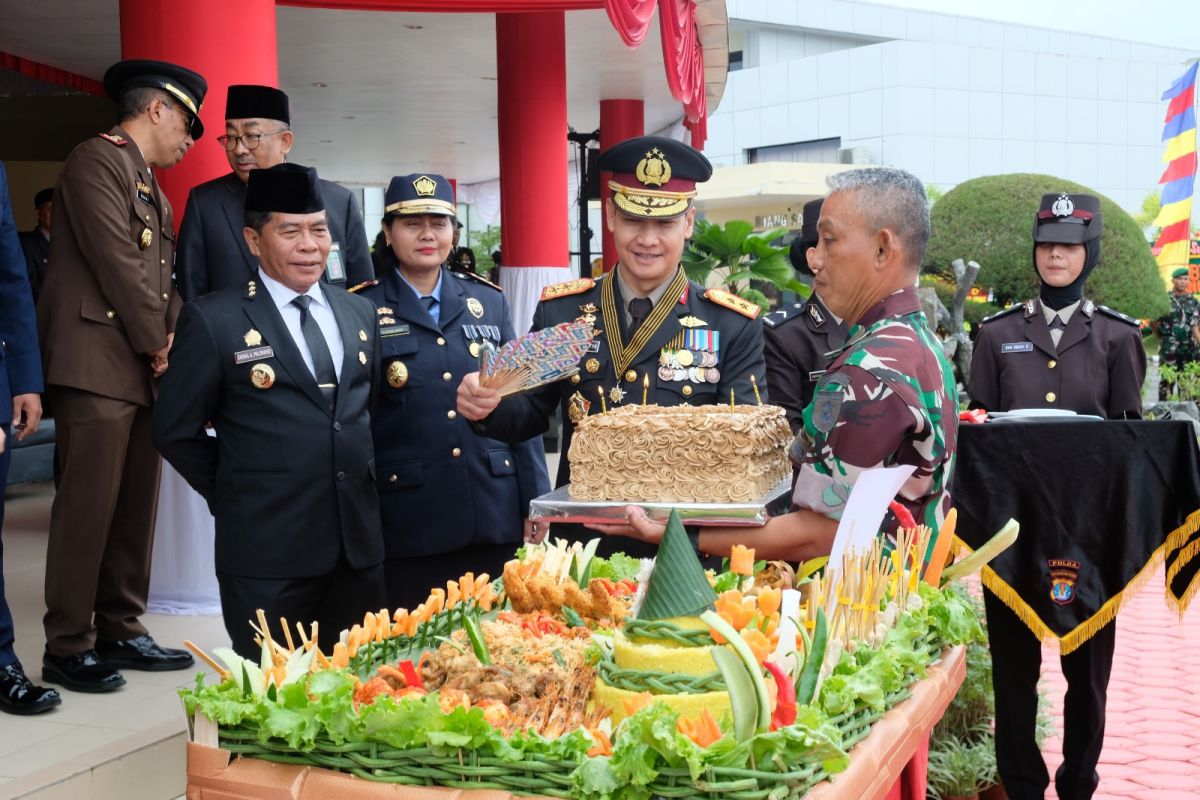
887	398
1179	331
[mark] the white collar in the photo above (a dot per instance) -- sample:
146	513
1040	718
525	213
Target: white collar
283	296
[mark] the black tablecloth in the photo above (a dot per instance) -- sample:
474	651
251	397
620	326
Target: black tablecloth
1099	504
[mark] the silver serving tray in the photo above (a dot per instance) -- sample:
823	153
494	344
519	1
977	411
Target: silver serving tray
558	506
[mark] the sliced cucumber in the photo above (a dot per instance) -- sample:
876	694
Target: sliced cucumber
742	697
718	624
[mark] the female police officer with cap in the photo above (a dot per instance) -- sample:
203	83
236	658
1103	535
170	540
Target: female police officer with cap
1059	351
451	501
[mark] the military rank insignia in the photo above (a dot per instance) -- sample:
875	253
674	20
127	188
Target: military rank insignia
567	288
1063	574
733	302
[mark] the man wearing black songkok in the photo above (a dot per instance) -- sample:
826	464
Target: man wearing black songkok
285	368
212	251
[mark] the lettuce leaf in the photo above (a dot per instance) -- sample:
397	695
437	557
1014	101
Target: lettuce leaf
812	737
617	567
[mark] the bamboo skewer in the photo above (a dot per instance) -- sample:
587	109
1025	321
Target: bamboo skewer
206	658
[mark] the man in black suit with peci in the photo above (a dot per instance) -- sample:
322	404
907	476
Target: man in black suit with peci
286	370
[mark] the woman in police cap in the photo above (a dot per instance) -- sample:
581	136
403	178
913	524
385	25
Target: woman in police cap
1058	351
452	501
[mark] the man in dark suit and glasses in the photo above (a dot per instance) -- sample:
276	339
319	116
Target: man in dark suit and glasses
213	254
286	370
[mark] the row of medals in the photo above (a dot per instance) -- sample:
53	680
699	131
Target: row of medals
695	366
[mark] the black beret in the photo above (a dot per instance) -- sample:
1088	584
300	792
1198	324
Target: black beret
654	176
187	87
285	189
1068	219
808	235
419	193
249	101
44	196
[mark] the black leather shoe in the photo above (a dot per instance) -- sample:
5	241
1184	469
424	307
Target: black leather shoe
81	672
143	653
19	695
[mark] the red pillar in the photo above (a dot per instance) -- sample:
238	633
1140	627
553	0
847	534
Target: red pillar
531	120
619	120
226	41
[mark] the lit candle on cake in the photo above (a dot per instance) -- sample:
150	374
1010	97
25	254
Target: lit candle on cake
754	383
603	406
645	386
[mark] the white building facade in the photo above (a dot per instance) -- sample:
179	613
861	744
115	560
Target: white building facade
946	97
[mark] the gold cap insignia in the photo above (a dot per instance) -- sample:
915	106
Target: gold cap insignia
475	307
653	169
252	338
262	376
425	186
397	374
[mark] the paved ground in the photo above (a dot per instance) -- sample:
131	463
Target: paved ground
1152	739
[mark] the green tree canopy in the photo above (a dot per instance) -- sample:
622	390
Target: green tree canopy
990	220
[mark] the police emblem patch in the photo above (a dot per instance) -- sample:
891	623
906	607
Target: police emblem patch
1063	574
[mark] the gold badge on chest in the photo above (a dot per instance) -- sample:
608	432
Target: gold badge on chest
252	338
397	374
262	376
147	238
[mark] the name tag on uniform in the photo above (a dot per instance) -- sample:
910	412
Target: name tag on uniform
816	375
253	354
394	330
1016	347
335	272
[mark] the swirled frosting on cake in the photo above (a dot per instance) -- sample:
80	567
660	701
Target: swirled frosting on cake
686	454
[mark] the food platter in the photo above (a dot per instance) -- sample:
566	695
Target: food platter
559	506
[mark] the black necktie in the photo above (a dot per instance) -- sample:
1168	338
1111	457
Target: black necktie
639	309
322	360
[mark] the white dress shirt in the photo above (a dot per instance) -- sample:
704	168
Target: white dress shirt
1064	314
319	310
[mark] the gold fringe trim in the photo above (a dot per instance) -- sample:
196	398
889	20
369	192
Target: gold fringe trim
1107	613
1175	540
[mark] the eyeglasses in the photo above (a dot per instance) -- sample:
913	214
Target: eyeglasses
188	119
250	141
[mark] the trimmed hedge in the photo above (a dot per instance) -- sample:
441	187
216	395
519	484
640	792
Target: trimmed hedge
990	220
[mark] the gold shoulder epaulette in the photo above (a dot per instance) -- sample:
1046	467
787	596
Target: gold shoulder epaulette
567	288
361	286
733	302
113	138
478	278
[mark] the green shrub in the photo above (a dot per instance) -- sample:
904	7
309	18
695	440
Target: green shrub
990	220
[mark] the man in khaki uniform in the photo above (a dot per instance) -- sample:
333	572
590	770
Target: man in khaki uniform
105	321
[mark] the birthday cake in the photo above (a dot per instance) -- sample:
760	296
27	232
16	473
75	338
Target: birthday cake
683	454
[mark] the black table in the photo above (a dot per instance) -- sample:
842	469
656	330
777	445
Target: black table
1099	503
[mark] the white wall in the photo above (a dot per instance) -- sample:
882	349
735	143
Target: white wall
949	98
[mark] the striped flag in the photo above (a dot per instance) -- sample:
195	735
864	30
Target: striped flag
1179	132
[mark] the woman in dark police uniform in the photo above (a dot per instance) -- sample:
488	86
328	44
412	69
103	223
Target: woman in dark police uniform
1059	351
452	501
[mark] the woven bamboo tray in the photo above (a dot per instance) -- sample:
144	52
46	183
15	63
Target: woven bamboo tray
374	770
